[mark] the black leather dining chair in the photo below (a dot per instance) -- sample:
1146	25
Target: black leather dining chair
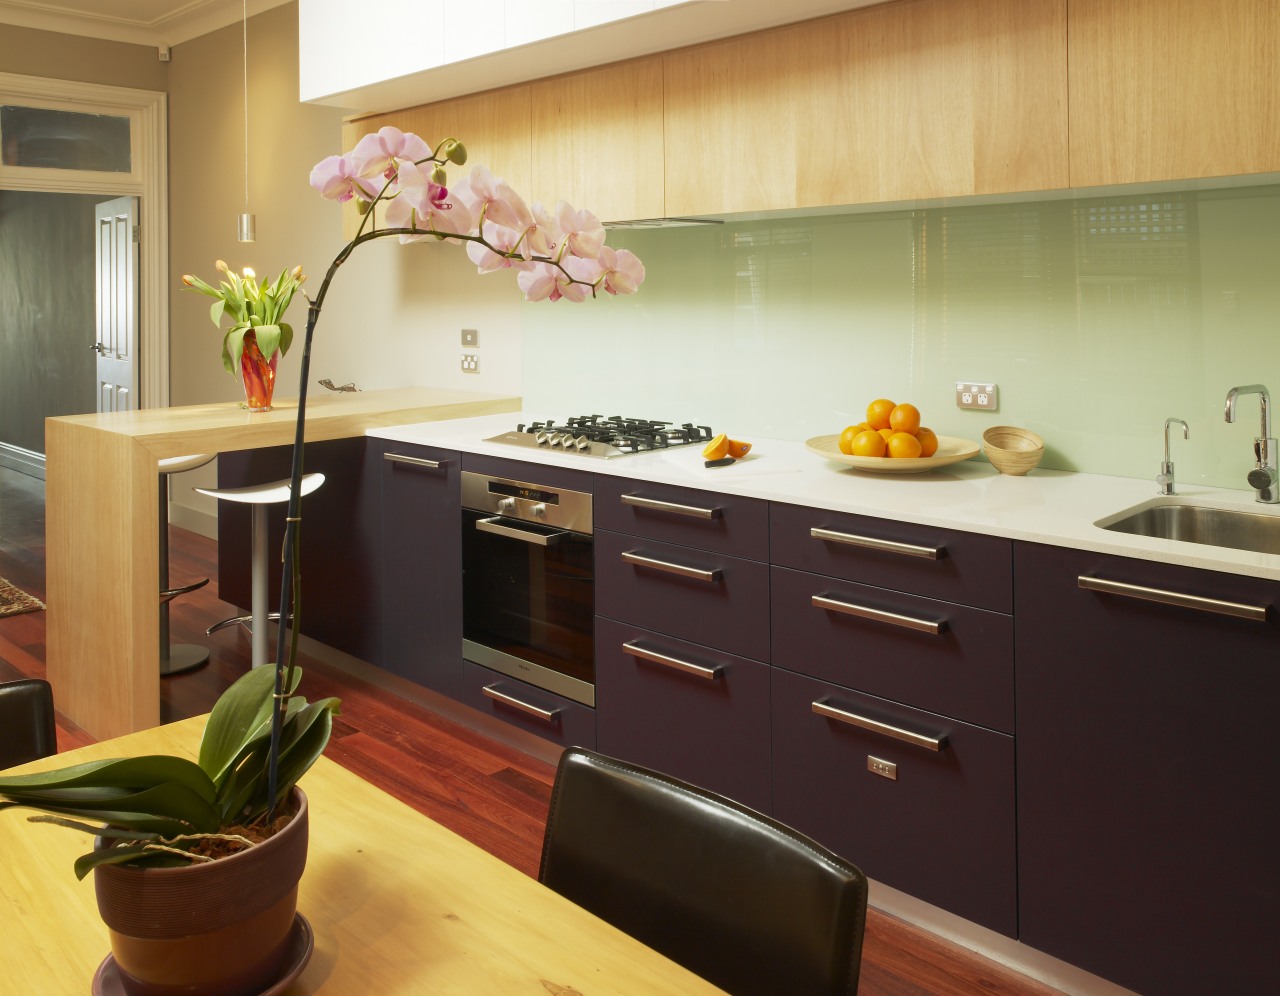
27	729
734	896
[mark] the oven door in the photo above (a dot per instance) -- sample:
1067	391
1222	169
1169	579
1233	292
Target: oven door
528	603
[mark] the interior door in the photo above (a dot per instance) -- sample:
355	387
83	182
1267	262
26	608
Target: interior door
116	246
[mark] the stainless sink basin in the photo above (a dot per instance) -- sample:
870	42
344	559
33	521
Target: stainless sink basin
1235	528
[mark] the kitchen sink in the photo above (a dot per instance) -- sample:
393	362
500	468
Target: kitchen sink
1235	528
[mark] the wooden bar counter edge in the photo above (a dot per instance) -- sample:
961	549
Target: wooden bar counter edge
102	523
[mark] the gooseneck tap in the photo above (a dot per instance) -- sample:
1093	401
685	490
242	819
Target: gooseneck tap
1165	477
1265	470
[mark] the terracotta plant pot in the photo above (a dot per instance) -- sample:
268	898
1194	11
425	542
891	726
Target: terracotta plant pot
220	928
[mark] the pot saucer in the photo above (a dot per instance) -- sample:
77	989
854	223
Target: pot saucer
108	980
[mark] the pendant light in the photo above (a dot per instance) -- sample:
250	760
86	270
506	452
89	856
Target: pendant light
245	224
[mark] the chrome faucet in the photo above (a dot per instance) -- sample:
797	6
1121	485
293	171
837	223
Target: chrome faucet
1263	476
1165	477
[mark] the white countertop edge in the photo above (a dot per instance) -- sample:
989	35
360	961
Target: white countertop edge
1058	508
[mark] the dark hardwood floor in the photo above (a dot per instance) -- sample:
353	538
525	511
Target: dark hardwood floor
490	793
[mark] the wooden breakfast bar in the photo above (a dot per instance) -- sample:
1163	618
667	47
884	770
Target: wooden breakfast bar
102	523
396	903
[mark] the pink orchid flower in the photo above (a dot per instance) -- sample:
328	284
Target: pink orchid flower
337	180
427	206
622	270
583	233
383	152
503	240
546	282
494	200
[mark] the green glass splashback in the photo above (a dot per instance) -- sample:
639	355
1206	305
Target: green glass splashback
1098	318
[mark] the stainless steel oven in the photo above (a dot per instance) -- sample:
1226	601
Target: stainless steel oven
527	583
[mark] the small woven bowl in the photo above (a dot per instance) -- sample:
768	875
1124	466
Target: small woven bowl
1012	450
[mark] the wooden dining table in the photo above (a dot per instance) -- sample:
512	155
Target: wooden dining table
396	903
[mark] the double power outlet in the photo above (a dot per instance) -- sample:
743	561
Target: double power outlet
974	394
470	361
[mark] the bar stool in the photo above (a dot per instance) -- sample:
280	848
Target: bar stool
179	657
259	496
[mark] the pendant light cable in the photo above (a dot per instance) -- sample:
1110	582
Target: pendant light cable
245	224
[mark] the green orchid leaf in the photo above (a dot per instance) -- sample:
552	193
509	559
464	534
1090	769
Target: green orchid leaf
146	823
286	337
127	773
311	731
268	337
138	854
237	717
133	810
109	832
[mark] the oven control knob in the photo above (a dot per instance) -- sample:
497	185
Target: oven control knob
538	511
582	443
543	438
506	504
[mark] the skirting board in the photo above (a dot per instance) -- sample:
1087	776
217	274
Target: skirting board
27	462
195	521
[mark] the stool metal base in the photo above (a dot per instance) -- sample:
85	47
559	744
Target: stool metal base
183	657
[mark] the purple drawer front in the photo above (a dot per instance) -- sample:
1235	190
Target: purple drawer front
687	516
696	713
884	643
727	606
964	567
941	830
513	701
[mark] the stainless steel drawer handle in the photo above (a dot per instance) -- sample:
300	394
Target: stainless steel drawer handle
495	526
1239	610
635	650
415	461
547	715
875	726
693	511
665	565
871	543
880	615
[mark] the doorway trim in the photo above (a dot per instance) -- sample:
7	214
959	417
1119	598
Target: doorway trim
148	179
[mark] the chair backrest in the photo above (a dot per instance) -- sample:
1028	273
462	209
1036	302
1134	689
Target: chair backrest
27	729
734	896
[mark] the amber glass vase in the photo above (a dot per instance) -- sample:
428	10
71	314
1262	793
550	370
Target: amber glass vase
258	374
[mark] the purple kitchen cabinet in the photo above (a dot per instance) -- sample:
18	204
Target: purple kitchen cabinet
931	815
1147	775
697	595
714	522
691	711
339	539
939	656
422	566
532	709
961	567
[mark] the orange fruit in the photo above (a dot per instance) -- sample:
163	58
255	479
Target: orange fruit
928	442
905	418
717	448
887	433
878	413
904	445
846	437
869	443
738	449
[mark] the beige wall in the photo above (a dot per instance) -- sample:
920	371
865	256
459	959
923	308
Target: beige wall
393	316
30	52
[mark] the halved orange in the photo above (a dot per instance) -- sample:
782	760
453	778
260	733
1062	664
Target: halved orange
738	449
717	448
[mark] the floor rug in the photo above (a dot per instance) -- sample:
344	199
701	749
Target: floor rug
14	600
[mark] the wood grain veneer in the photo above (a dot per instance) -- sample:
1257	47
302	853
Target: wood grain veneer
102	524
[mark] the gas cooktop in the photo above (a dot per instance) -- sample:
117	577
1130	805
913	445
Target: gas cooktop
598	436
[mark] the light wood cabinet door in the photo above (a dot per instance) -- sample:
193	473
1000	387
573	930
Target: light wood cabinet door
597	141
915	99
1173	89
493	126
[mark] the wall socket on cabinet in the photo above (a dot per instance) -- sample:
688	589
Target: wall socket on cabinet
976	394
470	363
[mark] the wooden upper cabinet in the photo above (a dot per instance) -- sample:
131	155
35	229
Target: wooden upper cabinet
597	141
915	99
494	127
1173	89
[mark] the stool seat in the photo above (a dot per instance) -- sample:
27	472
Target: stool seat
176	657
259	496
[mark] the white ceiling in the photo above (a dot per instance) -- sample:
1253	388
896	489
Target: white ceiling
142	22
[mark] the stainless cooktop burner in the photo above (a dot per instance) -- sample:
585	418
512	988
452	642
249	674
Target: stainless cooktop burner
598	436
